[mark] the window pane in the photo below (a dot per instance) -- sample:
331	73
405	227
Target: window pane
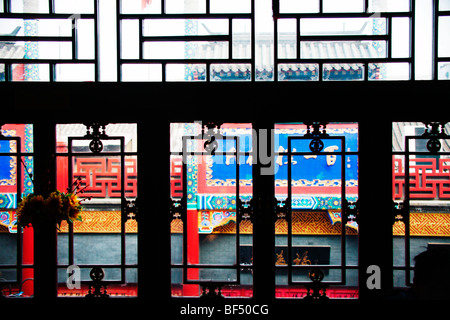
211	230
444	43
16	278
30	72
242	39
31	6
424	40
68	6
179	6
141	72
427	197
345	72
130	43
400	37
314	234
389	71
343	49
106	233
232	6
75	72
389	6
444	5
186	50
47	27
298	72
231	72
139	6
43	49
186	72
343	5
443	70
299	6
177	27
287	38
341	26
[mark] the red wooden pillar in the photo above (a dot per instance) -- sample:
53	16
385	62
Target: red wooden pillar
18	72
193	250
62	164
27	258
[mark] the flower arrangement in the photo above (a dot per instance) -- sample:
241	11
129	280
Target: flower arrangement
58	206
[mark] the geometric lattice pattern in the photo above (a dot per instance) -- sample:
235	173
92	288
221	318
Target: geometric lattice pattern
311	223
303	223
102	176
429	178
100	222
425	224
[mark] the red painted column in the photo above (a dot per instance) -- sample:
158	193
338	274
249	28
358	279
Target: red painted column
28	258
193	250
19	72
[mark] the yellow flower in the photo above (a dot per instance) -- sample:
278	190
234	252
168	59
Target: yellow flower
73	200
72	206
57	207
54	202
27	209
